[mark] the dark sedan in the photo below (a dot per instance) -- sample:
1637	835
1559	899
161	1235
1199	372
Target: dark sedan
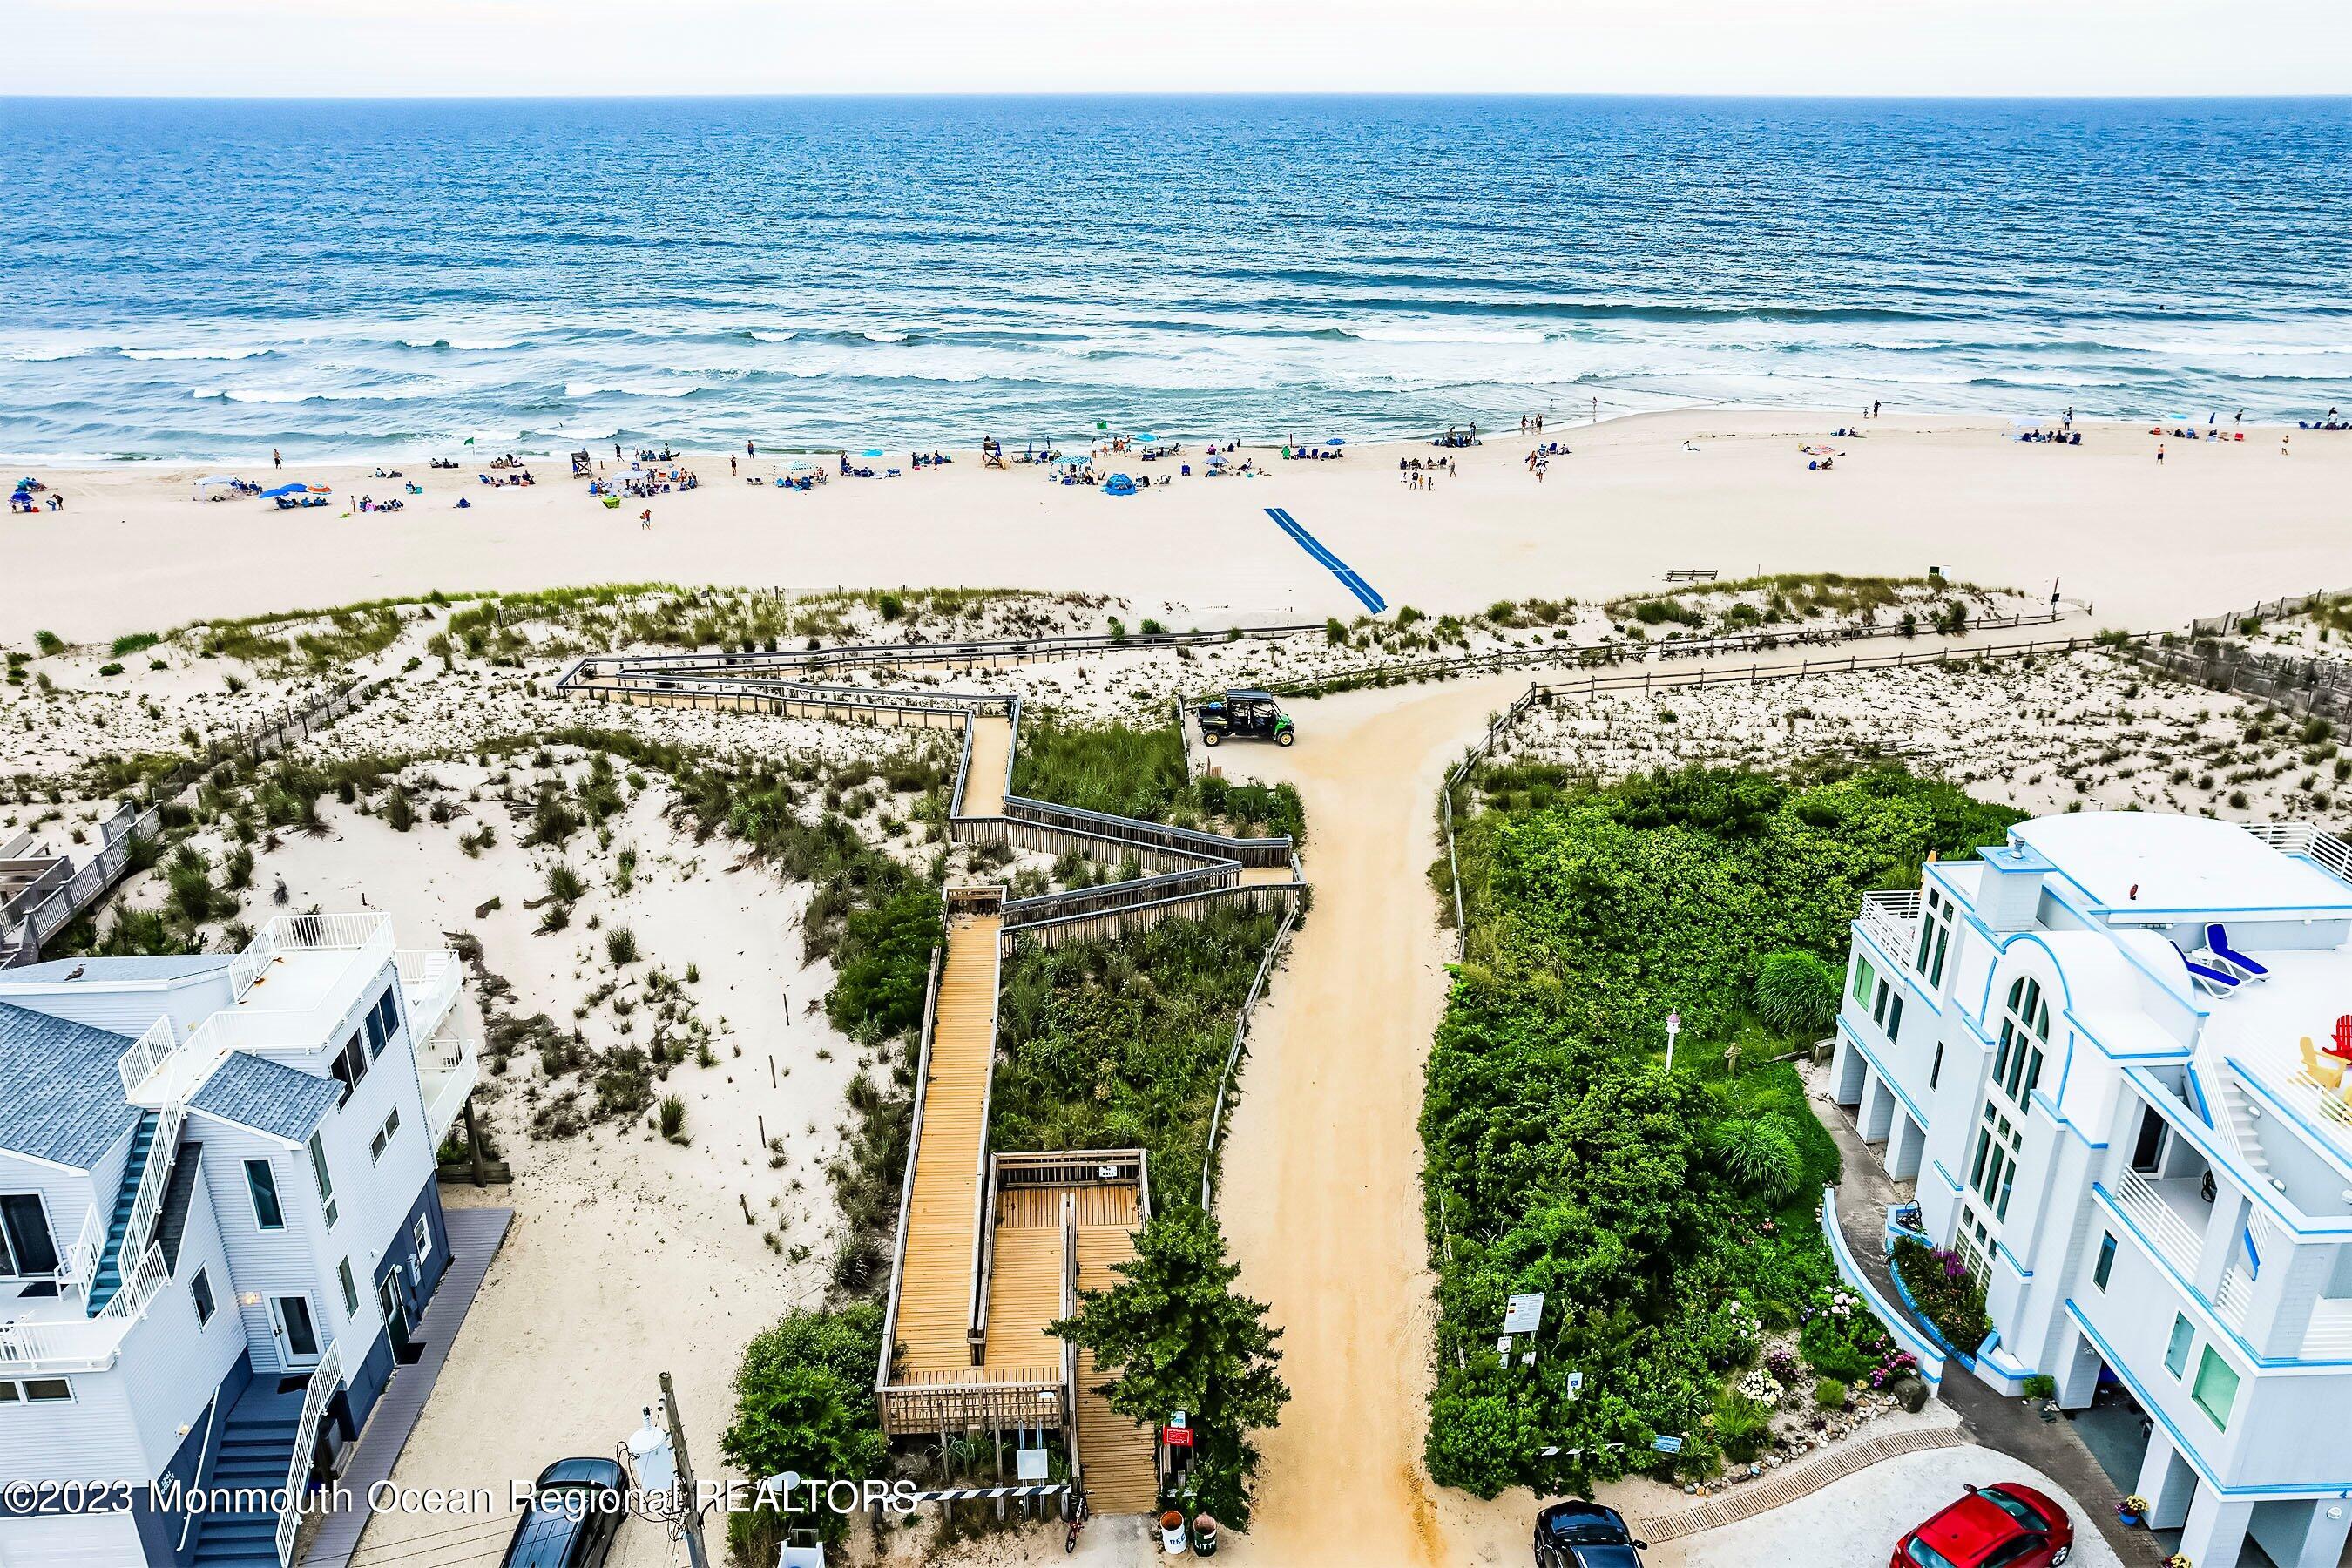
575	1514
1576	1534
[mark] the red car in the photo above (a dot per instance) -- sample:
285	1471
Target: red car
2001	1526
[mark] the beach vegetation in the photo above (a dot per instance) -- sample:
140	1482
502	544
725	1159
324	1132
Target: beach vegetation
1668	1219
673	1118
48	642
1122	1044
621	946
804	1404
133	642
1139	771
1174	1334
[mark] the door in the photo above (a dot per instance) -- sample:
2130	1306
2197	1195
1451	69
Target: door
395	1314
27	1248
297	1331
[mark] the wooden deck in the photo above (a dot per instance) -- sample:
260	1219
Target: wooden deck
1116	1459
935	1284
1261	876
992	753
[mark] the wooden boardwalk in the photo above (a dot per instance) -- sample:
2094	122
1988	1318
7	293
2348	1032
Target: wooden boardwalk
991	753
1116	1459
935	1284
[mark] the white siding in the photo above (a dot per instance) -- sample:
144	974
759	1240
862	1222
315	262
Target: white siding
127	1009
170	1366
94	1439
77	1540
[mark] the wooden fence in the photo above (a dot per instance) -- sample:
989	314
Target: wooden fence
2271	609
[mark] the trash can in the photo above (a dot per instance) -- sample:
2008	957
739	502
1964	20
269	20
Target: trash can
1204	1536
1171	1532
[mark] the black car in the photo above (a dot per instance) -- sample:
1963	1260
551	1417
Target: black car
575	1517
1248	713
1576	1534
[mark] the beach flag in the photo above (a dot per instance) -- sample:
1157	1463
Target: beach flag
470	440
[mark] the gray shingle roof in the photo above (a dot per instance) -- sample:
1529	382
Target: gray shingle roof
270	1097
60	1094
98	970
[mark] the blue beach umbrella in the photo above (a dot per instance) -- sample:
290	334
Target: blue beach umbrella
285	490
873	452
1337	441
1145	436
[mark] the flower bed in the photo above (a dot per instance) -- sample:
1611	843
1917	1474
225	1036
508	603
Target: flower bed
1938	1284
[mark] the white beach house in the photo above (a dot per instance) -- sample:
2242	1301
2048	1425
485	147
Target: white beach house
219	1224
2105	1052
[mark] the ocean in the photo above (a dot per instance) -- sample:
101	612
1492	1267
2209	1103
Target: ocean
201	280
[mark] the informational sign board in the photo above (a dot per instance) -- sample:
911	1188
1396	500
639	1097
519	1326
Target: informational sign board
1575	1385
1665	1444
1030	1465
1176	1437
1524	1314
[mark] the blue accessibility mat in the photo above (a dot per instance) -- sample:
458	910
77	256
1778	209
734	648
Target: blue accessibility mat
1340	569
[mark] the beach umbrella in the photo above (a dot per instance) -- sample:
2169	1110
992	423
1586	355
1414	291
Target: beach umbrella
1337	441
873	452
802	468
1145	436
1074	459
285	491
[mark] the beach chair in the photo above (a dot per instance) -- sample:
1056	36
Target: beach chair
2217	942
2213	982
2324	1071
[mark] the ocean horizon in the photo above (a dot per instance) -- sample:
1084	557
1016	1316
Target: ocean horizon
195	278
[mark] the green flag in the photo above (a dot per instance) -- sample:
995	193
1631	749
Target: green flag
470	440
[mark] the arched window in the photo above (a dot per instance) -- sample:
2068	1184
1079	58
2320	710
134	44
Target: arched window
2024	1031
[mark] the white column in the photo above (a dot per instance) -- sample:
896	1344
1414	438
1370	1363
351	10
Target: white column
2323	1540
2222	1228
2077	1371
2167	1480
1877	1108
1847	1066
1903	1146
2215	1533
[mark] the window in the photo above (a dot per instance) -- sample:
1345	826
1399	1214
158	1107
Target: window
9	1394
1864	980
1936	1067
349	1066
374	1027
1935	938
261	1182
2148	1148
2215	1388
1894	1017
424	1238
2010	1550
1992	1172
2107	1263
2176	1351
27	1248
383	1024
58	1391
2024	1030
351	1290
326	1183
200	1289
385	1135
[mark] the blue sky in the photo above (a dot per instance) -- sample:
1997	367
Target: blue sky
498	47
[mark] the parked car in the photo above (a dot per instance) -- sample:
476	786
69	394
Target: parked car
2004	1525
575	1516
1576	1534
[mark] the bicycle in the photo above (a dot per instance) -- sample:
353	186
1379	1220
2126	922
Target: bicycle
1078	1512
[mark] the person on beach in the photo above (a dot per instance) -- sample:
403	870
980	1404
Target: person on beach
750	451
730	465
2160	454
275	461
1874	408
646	518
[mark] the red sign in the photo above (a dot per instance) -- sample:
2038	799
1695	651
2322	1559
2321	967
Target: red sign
1176	1437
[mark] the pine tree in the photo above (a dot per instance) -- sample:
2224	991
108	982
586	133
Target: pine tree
1177	1337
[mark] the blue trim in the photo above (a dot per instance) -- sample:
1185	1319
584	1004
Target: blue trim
2180	1443
2208	1145
2016	1265
1949	1179
2319	1139
1931	1357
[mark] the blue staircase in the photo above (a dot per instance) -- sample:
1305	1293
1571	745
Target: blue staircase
256	1447
107	1277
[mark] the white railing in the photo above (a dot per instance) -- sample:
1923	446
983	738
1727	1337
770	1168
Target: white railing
1892	919
306	933
148	1053
324	1377
429	982
80	1260
154	1177
448	1068
2233	1298
85	1344
2330	1333
2171	1235
2309	840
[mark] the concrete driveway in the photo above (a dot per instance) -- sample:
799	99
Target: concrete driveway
1855	1523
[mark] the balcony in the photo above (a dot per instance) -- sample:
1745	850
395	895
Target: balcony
2170	1215
448	1066
1892	920
2311	842
430	980
55	1334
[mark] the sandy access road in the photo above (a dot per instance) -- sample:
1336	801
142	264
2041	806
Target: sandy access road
2216	526
1322	1195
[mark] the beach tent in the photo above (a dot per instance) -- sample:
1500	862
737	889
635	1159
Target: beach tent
216	482
1118	485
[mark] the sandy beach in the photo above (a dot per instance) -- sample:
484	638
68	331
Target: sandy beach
2214	525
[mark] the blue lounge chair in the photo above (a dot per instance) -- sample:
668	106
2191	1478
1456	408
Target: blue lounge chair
2217	940
2218	981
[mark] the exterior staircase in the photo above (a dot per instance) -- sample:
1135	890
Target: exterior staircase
256	1449
107	1277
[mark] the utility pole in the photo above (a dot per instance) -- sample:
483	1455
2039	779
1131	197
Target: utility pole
695	1551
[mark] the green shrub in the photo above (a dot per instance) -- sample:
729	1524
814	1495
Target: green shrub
48	642
621	946
673	1118
1743	1426
1760	1156
109	668
563	884
133	642
1830	1393
804	1402
1797	993
883	964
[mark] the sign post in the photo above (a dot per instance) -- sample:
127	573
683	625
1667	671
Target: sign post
1673	1028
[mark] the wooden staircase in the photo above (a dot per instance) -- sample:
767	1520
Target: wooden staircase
1118	1460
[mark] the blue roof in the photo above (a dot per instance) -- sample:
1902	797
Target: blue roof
270	1097
64	1100
98	970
